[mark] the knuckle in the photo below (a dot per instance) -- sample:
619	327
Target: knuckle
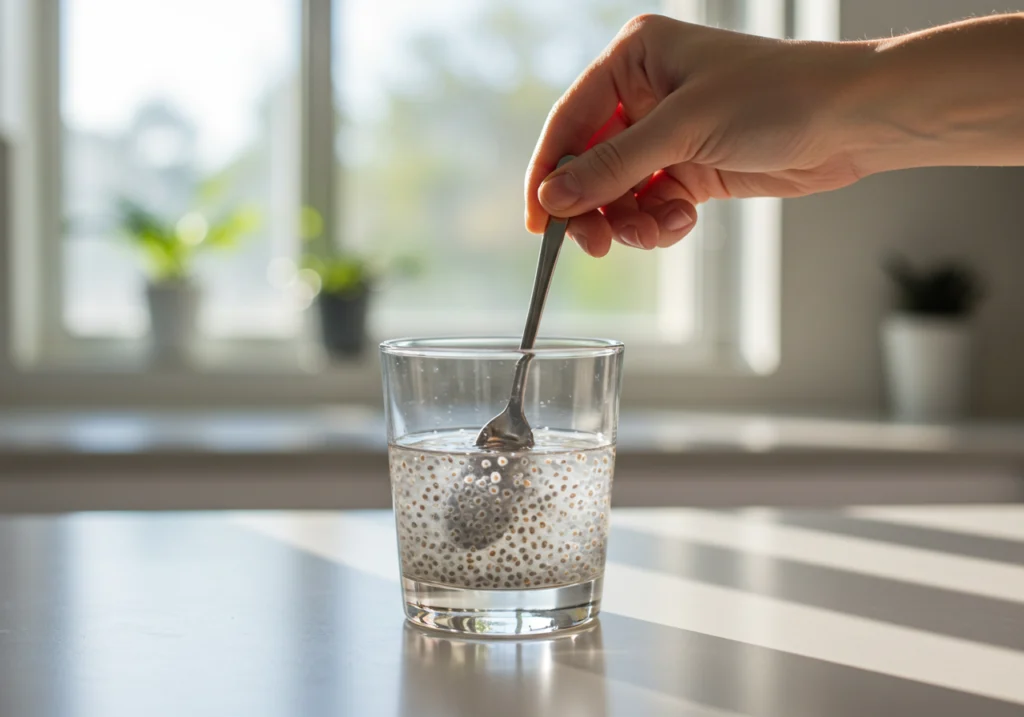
633	33
607	161
642	24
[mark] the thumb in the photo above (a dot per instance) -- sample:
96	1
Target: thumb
611	168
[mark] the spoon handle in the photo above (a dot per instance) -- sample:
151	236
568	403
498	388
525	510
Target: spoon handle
550	245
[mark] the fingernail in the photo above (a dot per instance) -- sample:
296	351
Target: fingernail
628	235
560	192
677	220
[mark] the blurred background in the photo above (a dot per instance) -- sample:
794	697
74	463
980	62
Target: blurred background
213	210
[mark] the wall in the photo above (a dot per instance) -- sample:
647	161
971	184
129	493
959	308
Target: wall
834	293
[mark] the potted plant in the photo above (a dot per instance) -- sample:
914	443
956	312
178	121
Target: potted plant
342	302
344	282
927	340
170	248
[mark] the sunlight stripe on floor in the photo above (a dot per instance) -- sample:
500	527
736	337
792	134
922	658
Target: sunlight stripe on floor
367	544
1005	522
813	632
359	542
755	533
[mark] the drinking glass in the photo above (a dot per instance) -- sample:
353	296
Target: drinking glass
501	542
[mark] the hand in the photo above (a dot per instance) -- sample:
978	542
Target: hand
674	114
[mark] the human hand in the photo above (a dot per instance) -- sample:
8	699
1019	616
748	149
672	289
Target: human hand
673	114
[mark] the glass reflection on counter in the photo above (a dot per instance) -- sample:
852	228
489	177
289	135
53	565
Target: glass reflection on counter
537	676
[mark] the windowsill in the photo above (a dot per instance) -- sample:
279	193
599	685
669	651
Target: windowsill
352	430
255	374
307	358
334	458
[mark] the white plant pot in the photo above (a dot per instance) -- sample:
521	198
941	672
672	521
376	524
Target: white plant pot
173	308
928	366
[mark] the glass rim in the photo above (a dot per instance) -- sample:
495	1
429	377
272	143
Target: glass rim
499	347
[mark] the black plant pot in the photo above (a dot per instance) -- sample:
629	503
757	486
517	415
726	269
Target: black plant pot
343	323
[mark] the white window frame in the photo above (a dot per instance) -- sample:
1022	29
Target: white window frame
733	256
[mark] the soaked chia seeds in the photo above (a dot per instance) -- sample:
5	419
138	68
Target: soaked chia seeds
483	519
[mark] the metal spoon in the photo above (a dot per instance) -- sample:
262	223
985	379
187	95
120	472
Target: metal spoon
474	516
509	430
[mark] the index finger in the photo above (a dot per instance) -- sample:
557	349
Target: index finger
580	113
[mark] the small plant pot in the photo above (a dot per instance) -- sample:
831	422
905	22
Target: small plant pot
343	323
928	365
173	309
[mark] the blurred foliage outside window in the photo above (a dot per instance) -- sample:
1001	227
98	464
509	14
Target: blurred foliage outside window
439	106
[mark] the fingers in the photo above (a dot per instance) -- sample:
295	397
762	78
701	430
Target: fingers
581	112
610	169
592	232
674	219
649	226
629	225
658	216
672	205
659	226
612	93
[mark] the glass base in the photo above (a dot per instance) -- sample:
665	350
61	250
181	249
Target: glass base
501	613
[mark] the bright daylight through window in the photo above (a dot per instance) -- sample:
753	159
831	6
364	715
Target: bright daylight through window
439	105
203	107
184	112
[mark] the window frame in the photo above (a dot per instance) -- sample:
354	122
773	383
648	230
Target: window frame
737	329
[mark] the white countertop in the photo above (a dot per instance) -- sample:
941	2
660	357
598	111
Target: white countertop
749	613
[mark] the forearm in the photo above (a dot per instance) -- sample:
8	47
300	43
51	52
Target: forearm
953	95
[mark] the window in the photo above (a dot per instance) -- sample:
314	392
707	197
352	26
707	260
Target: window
171	106
432	110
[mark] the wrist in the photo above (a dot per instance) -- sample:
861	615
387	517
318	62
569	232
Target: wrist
937	97
878	112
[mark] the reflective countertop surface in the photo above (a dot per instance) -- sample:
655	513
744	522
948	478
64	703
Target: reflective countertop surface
871	611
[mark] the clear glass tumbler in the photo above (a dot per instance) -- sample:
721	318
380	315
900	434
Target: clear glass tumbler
496	542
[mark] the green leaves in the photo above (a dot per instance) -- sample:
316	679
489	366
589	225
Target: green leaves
169	248
232	229
165	255
341	272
